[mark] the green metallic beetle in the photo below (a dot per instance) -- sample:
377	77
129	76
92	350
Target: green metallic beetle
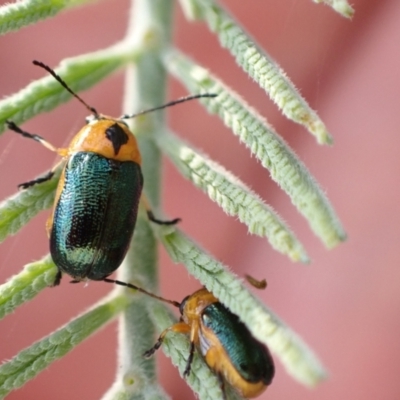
225	343
97	197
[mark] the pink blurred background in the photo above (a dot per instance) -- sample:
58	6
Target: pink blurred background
346	303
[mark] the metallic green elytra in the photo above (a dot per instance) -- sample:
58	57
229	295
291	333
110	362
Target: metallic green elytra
226	344
98	196
247	355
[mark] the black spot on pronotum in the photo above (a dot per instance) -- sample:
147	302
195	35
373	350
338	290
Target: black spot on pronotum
117	136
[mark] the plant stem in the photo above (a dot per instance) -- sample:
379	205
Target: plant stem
149	30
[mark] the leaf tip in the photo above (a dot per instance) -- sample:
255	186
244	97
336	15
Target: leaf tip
344	9
318	128
340	237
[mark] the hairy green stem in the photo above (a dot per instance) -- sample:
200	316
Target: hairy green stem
150	29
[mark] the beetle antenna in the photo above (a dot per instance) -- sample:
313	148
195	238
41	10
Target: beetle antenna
129	285
171	103
63	83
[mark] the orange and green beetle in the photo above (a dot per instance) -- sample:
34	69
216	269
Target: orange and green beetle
226	344
97	197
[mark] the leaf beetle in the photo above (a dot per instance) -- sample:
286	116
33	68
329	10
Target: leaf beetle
97	197
225	343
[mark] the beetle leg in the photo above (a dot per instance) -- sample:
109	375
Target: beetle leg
222	385
160	222
14	127
194	332
179	327
150	352
62	152
41	179
189	360
57	278
151	216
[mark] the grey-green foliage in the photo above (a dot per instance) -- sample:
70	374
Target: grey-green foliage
31	361
147	44
80	73
285	168
27	12
18	209
232	196
262	68
340	6
26	285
